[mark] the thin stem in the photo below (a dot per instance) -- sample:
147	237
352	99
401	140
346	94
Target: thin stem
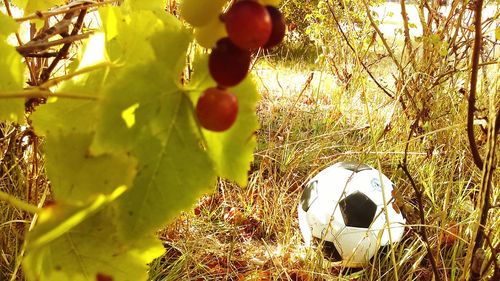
304	88
30	94
375	139
497	123
406	30
493	258
382	38
419	194
484	204
41	55
20	204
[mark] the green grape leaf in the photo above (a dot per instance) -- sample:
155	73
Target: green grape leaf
147	85
117	128
145	113
68	124
58	219
92	249
20	3
61	115
128	35
77	176
32	6
147	5
231	150
11	73
7	26
173	173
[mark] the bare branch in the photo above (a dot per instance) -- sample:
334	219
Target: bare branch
357	56
31	48
478	7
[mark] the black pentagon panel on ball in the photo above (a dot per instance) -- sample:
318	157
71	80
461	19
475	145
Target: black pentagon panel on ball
309	195
354	166
330	251
358	210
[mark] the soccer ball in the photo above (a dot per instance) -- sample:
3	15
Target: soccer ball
345	207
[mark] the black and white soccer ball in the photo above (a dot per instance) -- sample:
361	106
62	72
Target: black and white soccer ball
343	208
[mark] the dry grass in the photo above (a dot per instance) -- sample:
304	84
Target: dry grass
307	125
251	233
21	175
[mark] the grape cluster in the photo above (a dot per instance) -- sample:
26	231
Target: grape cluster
245	26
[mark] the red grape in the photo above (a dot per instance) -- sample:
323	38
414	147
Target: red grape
279	27
228	64
248	24
217	109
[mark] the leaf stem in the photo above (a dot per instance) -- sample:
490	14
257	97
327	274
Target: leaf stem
20	204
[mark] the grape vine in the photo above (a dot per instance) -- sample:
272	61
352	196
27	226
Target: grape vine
128	143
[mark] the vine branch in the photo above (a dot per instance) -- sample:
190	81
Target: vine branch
64	50
34	47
